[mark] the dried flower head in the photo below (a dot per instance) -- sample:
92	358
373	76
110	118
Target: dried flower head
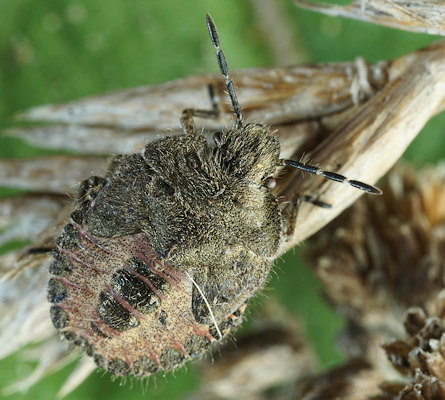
382	265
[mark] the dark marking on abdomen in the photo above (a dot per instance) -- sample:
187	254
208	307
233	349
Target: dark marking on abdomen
147	271
136	292
123	304
114	314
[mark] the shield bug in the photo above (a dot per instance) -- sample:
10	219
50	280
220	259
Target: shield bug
162	254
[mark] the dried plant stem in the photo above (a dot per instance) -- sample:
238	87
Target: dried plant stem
369	141
424	16
354	118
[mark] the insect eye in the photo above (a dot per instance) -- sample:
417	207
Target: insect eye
217	138
270	182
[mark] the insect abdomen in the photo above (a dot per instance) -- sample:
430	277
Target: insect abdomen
128	309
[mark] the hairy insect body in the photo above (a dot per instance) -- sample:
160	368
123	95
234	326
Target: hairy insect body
161	255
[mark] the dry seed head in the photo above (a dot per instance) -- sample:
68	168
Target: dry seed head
382	265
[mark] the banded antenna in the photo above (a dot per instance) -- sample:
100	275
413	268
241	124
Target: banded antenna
332	176
222	63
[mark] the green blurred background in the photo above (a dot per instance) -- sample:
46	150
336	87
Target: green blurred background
53	51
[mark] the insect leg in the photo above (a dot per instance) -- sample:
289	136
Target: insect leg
186	121
289	214
39	250
290	211
314	201
87	184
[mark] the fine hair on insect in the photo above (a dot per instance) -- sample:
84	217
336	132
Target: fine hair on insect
161	255
239	121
